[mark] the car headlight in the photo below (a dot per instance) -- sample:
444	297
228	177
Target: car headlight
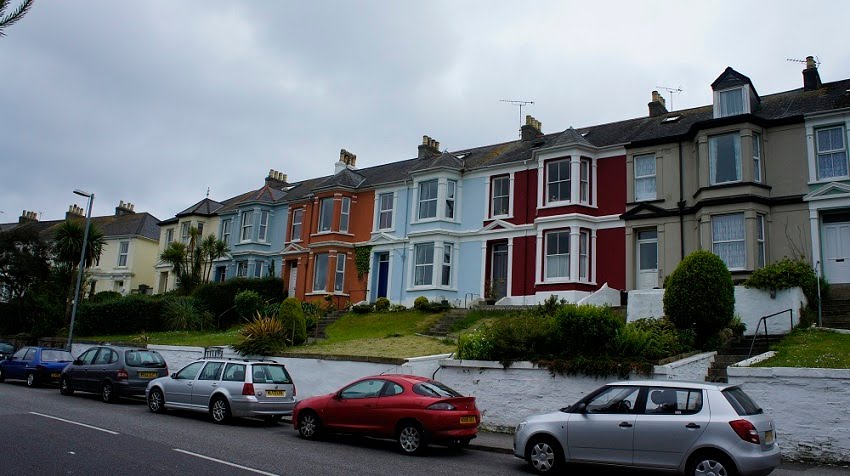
520	426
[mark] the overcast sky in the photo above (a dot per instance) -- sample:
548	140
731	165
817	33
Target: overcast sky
151	102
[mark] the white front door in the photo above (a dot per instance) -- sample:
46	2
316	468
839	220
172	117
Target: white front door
293	278
647	259
836	252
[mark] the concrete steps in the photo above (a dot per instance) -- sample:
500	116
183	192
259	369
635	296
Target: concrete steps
735	351
443	327
318	332
835	311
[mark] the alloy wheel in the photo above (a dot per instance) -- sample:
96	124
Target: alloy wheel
219	410
155	401
710	467
409	439
30	379
542	457
64	388
106	393
307	425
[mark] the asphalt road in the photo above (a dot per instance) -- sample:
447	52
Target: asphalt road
42	431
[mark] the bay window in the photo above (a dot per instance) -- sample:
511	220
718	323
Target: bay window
427	199
264	225
344	213
728	239
339	277
724	152
423	264
320	274
558	254
326	210
247	225
558	181
447	265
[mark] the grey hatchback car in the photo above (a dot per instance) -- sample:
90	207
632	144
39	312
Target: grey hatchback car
112	371
697	429
226	388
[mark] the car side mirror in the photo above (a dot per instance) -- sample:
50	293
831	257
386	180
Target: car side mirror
78	362
174	375
581	408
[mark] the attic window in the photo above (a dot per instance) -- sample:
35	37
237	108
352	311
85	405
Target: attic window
731	102
460	156
671	118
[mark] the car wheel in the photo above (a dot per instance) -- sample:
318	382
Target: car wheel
2	375
220	410
545	455
411	439
64	387
107	392
32	381
711	464
309	426
156	401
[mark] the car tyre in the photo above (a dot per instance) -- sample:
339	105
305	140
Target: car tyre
711	464
107	393
411	438
156	401
65	387
545	455
309	426
32	380
220	410
2	375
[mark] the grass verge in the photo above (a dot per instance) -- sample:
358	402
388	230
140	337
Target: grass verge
811	348
189	338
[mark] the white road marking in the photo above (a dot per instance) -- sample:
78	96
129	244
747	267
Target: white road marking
225	462
76	423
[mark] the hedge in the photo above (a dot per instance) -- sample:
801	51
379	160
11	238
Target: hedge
219	298
128	315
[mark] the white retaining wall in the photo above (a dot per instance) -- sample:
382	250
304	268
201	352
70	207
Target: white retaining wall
750	304
811	408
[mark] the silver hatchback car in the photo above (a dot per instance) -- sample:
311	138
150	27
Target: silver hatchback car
226	388
697	429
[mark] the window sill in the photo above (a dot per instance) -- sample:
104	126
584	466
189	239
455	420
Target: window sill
565	203
648	200
384	230
564	281
501	217
731	185
325	233
435	220
326	293
824	181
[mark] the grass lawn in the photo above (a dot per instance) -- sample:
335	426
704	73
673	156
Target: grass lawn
190	338
812	348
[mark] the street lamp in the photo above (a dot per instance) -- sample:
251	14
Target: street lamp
90	196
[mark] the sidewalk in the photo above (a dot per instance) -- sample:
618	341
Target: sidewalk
495	442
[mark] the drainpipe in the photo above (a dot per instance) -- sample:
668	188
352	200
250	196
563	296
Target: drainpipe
681	205
525	246
404	243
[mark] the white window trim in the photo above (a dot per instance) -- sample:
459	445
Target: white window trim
184	232
437	267
452	199
586	200
821	122
756	138
392	211
831	151
491	197
442	186
450	264
584	234
744	239
258	269
241	265
340	259
169	235
643	177
125	254
546	183
575	227
347	214
246	226
745	97
292	237
739	164
419	200
263	229
226	230
321	203
761	227
569	254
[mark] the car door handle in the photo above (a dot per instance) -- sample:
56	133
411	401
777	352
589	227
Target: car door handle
840	260
215	385
626	424
692	426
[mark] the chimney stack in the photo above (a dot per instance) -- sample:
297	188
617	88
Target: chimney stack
27	217
124	208
811	78
346	160
658	106
428	148
531	130
75	211
276	179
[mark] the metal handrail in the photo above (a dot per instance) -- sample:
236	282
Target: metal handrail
766	336
471	297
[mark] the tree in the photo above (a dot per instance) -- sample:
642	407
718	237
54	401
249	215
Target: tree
67	248
7	20
192	262
24	261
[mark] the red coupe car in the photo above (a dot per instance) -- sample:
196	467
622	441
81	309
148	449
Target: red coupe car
413	410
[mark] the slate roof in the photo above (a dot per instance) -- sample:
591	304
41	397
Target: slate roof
445	160
132	224
345	178
206	207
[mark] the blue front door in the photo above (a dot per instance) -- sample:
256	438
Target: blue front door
383	273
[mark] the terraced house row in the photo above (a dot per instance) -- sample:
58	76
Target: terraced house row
582	213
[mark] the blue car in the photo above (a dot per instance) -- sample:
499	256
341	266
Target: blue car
35	365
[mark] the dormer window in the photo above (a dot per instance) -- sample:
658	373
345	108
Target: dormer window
731	102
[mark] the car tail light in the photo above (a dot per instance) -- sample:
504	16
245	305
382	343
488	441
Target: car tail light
248	389
441	406
745	430
294	390
123	375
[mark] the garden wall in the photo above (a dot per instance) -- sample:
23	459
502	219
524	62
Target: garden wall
750	304
811	407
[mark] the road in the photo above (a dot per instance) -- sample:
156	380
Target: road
45	432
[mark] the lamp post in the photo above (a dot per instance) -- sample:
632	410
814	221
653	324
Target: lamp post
90	196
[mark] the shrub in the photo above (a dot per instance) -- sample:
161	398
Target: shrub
264	335
700	296
787	274
397	308
420	303
247	304
521	338
382	304
586	330
475	346
310	309
106	296
362	308
649	339
181	313
292	316
219	298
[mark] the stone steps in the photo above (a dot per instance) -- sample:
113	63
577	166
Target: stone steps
318	332
444	325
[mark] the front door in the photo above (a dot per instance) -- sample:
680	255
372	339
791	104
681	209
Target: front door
836	252
499	271
647	259
293	277
383	274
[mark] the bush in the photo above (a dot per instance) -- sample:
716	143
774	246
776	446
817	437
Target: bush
361	308
129	315
247	304
264	335
586	330
181	313
397	308
420	303
521	338
382	304
106	296
787	274
219	298
700	296
650	339
475	346
292	316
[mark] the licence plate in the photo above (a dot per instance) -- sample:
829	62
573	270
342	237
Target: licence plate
148	374
275	393
467	419
769	437
54	375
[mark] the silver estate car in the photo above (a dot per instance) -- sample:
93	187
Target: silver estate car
697	429
226	388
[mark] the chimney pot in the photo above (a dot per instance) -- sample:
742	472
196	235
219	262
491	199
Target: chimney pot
429	148
532	129
811	77
658	105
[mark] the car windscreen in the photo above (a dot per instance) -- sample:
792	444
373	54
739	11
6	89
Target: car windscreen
741	402
434	389
144	358
269	373
6	348
56	356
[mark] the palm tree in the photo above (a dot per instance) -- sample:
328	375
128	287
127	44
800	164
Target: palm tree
67	248
211	250
192	262
12	18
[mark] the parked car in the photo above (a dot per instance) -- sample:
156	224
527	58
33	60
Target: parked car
113	372
6	350
36	365
226	388
687	427
415	411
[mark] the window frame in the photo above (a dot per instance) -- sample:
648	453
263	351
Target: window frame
743	239
263	231
757	155
818	152
427	201
200	229
258	269
546	256
184	232
169	235
761	241
298	214
654	176
123	253
721	107
247	228
389	212
425	265
339	274
713	157
446	268
226	230
344	214
241	269
584	256
324	285
550	182
506	197
450	211
320	226
585	173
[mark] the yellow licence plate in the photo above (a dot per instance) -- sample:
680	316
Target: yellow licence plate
148	374
769	437
467	419
275	393
54	375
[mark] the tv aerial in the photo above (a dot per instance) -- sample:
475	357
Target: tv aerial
802	61
515	102
672	91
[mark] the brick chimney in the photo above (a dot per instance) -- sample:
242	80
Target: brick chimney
428	148
531	130
75	211
346	160
658	106
811	78
27	217
124	208
276	179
